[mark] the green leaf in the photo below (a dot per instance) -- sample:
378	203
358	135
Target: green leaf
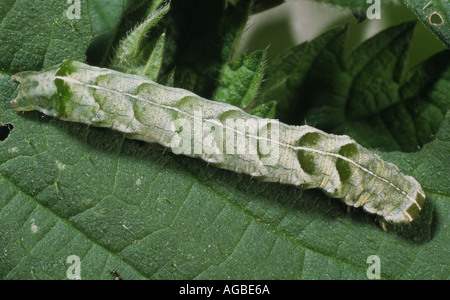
288	72
131	52
435	15
201	37
154	62
146	213
112	22
106	15
369	95
430	167
239	81
39	34
266	110
69	189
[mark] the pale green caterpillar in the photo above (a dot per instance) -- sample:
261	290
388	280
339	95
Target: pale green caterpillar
222	135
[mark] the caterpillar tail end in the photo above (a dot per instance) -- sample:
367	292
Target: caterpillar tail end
414	209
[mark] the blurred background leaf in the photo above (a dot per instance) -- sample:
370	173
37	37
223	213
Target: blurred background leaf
435	15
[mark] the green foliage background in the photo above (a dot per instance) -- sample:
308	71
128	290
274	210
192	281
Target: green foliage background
68	189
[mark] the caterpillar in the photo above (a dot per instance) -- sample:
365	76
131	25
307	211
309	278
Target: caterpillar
222	135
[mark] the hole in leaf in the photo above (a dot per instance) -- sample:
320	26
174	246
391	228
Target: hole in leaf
5	129
436	19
